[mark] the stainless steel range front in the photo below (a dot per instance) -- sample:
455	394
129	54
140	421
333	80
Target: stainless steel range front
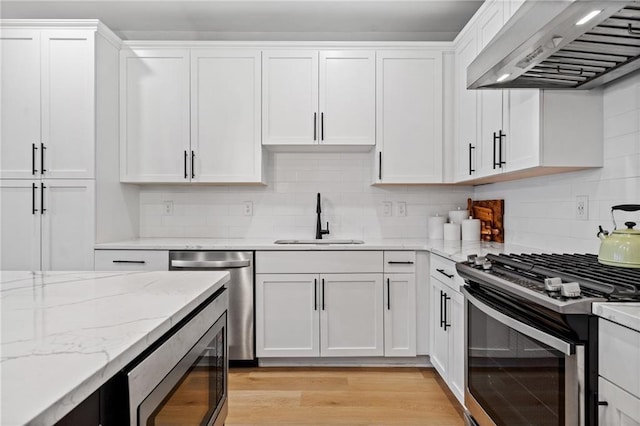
531	340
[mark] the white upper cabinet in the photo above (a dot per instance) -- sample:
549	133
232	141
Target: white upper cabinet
225	116
48	103
312	97
409	117
154	115
347	98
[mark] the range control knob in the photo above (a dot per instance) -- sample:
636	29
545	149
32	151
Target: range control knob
570	290
480	260
486	265
552	284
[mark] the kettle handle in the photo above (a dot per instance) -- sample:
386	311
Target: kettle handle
626	207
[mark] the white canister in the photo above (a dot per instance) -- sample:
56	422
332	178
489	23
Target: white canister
436	229
471	229
457	216
452	232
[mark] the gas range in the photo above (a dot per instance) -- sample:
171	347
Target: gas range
563	283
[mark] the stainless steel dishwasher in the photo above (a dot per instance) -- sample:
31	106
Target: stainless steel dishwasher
241	324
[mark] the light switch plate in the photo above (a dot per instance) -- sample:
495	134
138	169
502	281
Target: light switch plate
386	208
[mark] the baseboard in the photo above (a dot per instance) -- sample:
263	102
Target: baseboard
417	361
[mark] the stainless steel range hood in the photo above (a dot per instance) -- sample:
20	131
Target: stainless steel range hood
542	46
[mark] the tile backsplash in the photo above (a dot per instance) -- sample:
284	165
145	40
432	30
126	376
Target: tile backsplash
541	212
286	206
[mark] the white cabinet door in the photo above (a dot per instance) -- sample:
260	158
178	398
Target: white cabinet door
154	116
400	315
290	92
287	315
455	319
225	115
622	408
409	117
20	225
20	103
466	111
347	97
68	224
439	344
68	104
351	316
523	132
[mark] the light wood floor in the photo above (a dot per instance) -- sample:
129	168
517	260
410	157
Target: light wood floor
340	396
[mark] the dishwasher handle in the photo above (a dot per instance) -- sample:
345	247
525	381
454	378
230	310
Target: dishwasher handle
221	264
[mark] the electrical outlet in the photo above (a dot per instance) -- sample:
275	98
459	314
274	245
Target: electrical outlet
167	208
386	208
248	208
402	208
582	207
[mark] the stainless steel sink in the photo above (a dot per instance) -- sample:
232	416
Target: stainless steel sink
320	242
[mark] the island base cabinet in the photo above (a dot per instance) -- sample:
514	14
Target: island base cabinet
621	407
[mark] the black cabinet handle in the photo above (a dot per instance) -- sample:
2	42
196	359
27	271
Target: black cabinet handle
380	166
129	261
42	188
495	137
33	198
393	262
446	312
186	176
315	294
315	126
33	159
323	294
500	161
444	273
388	294
193	158
42	149
441	309
471	169
322	126
603	403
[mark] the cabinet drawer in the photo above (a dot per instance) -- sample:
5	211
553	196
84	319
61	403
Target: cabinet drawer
399	262
325	262
619	355
622	408
444	270
131	260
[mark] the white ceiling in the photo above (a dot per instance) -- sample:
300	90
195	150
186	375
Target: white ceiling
432	20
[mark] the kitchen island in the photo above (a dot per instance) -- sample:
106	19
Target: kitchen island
64	334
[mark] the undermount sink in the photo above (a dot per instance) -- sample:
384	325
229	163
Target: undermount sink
323	242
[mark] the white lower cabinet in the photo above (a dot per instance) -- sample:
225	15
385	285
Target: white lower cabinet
400	315
622	408
447	325
47	224
131	260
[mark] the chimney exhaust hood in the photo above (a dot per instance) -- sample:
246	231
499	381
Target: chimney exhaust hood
579	44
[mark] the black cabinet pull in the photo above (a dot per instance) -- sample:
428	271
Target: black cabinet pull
393	262
315	126
186	176
33	159
388	294
42	149
42	188
471	169
495	137
603	403
322	126
444	273
380	166
500	161
129	261
446	312
323	294
193	171
315	294
33	198
441	309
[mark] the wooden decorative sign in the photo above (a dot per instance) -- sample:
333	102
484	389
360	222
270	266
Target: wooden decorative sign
490	213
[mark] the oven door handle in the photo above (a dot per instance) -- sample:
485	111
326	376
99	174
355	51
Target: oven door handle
557	344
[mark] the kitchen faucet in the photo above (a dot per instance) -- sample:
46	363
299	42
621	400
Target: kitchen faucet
319	231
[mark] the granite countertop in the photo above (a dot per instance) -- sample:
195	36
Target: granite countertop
454	250
626	314
64	334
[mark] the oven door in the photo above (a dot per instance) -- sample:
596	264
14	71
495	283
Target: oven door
184	381
518	374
